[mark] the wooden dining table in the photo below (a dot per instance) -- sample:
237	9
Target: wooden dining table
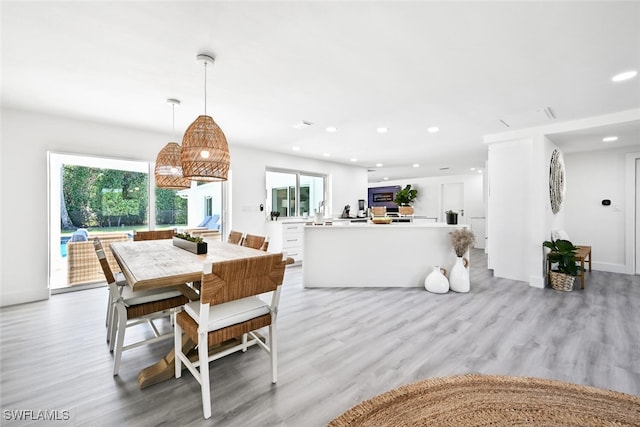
153	264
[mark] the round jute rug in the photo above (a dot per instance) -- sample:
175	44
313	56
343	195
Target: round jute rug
489	400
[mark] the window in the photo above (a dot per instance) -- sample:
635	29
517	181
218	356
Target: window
295	193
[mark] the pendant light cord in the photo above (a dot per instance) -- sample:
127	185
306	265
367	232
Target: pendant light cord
173	120
205	88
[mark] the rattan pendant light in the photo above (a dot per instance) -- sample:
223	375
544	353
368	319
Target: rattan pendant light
168	170
205	153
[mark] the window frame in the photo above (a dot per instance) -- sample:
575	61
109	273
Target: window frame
297	173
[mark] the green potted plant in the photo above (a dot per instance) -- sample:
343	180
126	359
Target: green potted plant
190	243
563	255
404	198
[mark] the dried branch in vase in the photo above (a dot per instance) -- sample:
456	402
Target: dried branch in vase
462	239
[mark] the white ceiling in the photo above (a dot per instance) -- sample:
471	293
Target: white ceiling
461	66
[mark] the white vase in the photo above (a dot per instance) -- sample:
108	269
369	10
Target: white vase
459	276
436	281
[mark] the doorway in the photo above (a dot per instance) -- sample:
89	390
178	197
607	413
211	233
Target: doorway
453	200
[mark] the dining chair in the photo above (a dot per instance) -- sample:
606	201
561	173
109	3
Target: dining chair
129	308
120	280
153	235
229	307
378	210
253	241
235	237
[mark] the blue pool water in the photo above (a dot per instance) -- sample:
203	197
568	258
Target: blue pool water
63	245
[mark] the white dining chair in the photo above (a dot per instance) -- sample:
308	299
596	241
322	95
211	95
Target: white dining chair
129	308
120	280
229	308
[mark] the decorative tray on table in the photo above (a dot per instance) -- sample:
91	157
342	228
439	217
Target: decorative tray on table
381	220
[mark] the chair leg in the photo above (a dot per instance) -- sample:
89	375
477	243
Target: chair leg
244	343
203	356
273	352
109	317
177	347
122	326
113	328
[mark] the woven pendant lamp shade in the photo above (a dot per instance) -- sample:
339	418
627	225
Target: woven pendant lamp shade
168	170
205	153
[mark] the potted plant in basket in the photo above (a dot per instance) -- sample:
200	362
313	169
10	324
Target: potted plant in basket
404	198
563	255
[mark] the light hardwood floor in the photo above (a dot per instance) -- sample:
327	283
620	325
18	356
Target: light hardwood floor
337	347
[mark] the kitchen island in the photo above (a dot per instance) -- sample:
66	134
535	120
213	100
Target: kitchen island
375	255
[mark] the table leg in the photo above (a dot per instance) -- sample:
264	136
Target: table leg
165	368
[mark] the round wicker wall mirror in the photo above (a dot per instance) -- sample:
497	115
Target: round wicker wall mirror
556	181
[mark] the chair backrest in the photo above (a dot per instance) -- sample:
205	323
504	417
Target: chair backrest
104	263
378	210
235	279
235	237
153	235
253	241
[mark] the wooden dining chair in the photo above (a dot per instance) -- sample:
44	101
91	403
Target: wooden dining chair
120	282
228	308
253	241
378	210
235	237
129	308
153	235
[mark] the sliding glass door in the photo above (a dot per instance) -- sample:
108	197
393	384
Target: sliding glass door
111	198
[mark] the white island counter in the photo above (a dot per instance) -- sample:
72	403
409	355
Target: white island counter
375	255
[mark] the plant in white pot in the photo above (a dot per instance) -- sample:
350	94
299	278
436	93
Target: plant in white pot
461	240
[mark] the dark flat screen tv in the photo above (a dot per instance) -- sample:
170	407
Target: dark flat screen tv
383	196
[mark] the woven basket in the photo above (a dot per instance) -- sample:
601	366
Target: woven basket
561	281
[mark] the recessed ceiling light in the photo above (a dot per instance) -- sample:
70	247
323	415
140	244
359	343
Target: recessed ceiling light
609	139
353	159
379	165
326	154
386	178
479	170
382	130
472	169
296	148
303	124
433	129
624	76
331	129
416	165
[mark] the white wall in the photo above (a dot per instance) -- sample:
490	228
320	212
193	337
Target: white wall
27	137
592	177
509	207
